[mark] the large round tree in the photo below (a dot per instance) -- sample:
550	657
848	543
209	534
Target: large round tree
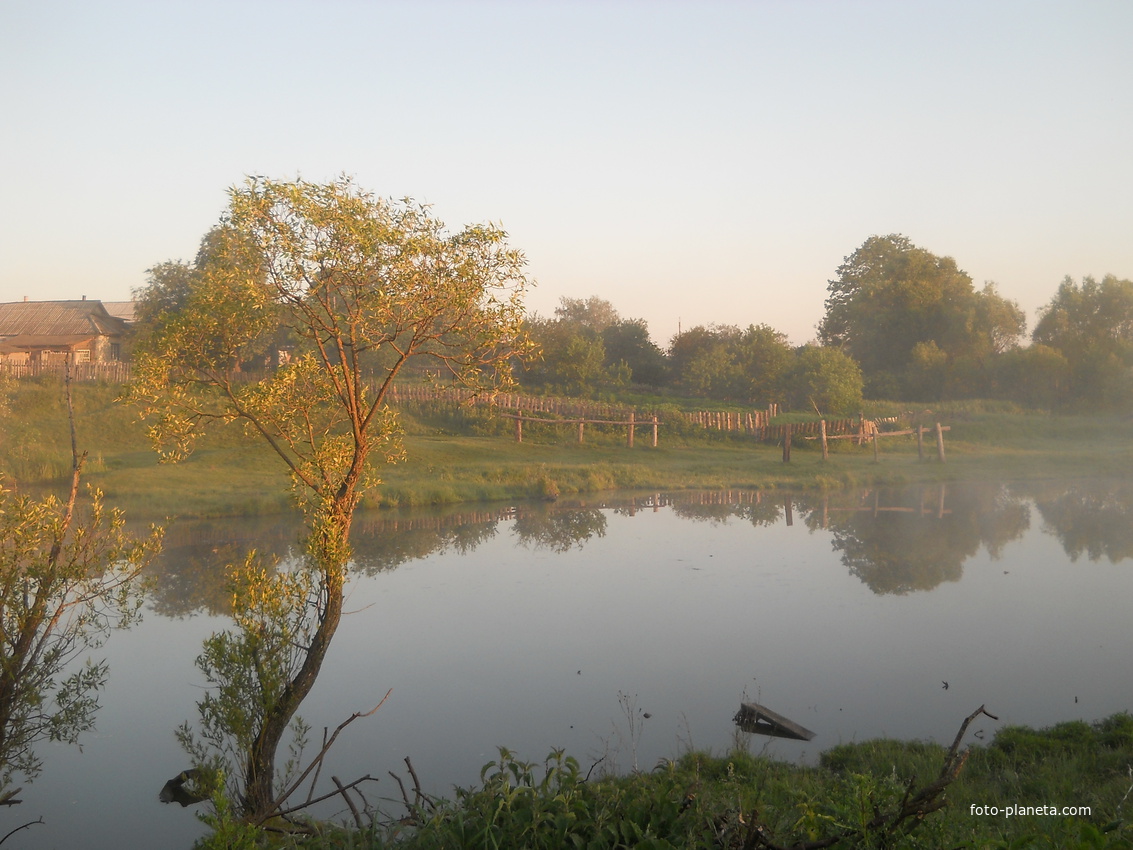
892	302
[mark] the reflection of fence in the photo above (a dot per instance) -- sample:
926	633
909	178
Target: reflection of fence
631	424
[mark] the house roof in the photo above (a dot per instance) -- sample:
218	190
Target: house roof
122	309
71	319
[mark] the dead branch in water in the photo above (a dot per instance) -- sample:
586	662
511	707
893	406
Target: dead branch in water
315	766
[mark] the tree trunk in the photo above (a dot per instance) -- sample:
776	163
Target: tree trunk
326	545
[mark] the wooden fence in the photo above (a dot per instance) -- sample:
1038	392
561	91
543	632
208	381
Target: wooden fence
632	423
117	372
566	411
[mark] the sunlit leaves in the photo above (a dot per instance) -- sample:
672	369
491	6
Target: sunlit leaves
353	290
249	669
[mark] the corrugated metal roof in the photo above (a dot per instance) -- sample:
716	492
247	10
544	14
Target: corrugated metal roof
58	318
122	309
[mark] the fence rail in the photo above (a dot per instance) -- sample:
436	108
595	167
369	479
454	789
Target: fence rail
756	423
117	372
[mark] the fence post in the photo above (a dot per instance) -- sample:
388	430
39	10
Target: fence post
581	425
875	446
825	446
920	443
519	426
939	443
787	443
629	437
654	432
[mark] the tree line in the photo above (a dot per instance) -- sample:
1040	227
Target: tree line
900	323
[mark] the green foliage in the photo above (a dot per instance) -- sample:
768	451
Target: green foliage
724	362
1091	325
364	287
64	585
705	801
573	359
825	379
627	341
250	668
915	323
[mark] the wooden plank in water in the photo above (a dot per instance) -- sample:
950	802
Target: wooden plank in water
753	717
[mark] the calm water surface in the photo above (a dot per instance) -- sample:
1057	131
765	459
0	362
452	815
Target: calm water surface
523	626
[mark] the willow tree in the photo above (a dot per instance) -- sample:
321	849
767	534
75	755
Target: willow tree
361	290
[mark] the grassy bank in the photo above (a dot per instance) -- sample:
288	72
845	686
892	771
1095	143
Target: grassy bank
743	801
458	456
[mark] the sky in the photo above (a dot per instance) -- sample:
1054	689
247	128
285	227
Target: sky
690	162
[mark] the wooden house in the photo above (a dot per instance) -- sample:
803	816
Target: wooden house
49	331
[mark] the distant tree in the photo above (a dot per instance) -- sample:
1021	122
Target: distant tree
588	348
1091	325
571	360
627	341
709	367
764	357
693	343
722	361
826	380
593	313
891	296
1036	376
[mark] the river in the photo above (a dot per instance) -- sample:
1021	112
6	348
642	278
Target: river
627	628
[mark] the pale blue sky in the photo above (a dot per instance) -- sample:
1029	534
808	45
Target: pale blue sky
692	162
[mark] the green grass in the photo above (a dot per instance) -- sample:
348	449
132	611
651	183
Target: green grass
717	801
457	455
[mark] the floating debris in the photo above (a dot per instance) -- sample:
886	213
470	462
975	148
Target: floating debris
753	717
174	791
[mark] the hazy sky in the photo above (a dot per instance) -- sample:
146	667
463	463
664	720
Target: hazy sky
691	162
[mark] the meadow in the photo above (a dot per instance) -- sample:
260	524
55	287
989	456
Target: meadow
465	454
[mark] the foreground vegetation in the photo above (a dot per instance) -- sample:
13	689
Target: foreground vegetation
459	455
740	800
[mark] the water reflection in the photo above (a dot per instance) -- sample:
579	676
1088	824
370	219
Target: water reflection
559	531
901	541
895	540
65	584
1094	518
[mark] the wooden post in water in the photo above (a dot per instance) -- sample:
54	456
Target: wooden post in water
789	511
920	443
654	432
939	443
629	435
825	445
787	443
519	426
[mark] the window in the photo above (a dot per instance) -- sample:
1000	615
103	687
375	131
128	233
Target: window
82	355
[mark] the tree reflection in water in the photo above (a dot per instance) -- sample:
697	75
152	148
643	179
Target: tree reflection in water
895	540
65	584
901	541
1093	518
